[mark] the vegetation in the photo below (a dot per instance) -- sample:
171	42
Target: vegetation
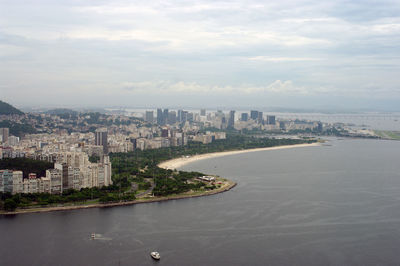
7	109
395	135
138	167
26	166
18	129
143	164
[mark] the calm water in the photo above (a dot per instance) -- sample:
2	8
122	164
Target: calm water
328	205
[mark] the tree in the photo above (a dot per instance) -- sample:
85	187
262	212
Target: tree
10	205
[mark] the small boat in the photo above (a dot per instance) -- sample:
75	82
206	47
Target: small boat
155	255
93	235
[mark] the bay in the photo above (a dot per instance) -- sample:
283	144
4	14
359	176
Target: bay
326	205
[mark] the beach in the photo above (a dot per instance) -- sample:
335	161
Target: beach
179	162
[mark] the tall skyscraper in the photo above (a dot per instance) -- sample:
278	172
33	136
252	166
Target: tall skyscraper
149	116
101	139
165	117
270	119
171	117
203	112
260	119
4	132
244	117
231	120
254	115
179	118
160	117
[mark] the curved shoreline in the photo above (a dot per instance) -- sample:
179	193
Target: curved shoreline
179	162
170	164
230	185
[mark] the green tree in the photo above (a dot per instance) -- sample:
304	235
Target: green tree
10	205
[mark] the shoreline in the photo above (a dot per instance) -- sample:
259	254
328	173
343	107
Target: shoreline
229	186
179	162
170	164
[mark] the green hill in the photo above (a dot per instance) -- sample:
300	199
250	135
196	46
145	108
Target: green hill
7	109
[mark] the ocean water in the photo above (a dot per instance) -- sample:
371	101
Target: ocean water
337	204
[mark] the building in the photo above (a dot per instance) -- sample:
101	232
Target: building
160	117
244	117
17	182
231	120
4	132
101	139
260	118
55	176
254	115
13	141
171	117
67	176
6	181
165	116
149	116
203	112
271	120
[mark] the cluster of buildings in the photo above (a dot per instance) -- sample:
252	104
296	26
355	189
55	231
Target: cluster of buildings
69	140
71	171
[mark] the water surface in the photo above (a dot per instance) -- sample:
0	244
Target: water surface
327	205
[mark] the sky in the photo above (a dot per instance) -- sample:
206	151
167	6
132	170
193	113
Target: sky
204	53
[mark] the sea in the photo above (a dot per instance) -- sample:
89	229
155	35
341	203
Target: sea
334	204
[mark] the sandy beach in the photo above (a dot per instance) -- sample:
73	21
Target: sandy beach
179	162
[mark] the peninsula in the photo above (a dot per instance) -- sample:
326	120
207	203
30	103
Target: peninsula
151	175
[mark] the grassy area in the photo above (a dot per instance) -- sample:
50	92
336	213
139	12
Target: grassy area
395	135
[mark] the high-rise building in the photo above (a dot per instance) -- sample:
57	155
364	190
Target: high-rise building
244	117
260	118
149	116
4	132
6	181
189	117
203	112
271	120
160	117
101	139
254	115
17	182
179	118
165	116
171	117
231	120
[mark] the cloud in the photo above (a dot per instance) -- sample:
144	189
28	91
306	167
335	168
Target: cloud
190	88
239	47
282	59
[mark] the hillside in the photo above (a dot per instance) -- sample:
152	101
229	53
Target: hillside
61	111
7	109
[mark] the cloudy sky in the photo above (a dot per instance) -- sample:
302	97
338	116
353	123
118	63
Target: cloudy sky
245	53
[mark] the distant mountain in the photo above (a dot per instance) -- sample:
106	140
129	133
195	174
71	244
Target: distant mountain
7	109
62	111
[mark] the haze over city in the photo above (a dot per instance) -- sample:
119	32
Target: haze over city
302	54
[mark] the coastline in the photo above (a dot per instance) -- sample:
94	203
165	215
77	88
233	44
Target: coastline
170	164
179	162
228	186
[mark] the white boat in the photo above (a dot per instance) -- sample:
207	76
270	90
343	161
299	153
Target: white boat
93	235
155	255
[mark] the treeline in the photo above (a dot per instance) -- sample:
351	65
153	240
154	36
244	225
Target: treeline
10	202
26	165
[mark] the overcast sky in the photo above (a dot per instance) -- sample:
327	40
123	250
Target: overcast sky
315	53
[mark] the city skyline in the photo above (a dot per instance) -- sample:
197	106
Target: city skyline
307	54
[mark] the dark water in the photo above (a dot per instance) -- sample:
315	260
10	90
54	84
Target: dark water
328	205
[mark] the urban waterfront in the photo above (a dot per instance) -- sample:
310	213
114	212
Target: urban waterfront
336	204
